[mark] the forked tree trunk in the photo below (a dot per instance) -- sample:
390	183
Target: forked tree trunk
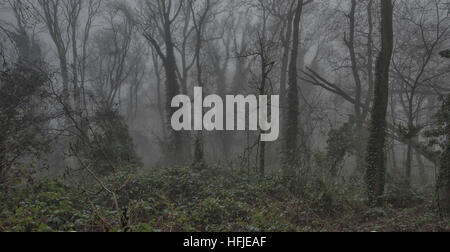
175	146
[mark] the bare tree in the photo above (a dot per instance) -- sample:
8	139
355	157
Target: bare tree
117	63
199	20
158	22
63	21
415	71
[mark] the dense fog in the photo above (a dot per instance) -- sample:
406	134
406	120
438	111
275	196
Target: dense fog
359	90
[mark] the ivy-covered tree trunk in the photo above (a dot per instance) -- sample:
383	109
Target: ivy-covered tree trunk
376	165
444	173
199	25
292	97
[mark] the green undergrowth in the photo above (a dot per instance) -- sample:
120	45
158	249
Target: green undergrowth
182	199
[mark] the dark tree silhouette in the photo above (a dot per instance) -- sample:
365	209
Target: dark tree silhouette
376	159
292	95
161	18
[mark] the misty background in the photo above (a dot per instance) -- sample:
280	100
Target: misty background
86	87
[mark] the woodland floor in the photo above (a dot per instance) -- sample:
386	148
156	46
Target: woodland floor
183	200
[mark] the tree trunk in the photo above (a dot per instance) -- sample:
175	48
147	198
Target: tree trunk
262	159
291	124
422	173
444	173
199	155
444	181
175	147
376	170
360	111
394	158
262	89
286	44
159	101
408	164
3	167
